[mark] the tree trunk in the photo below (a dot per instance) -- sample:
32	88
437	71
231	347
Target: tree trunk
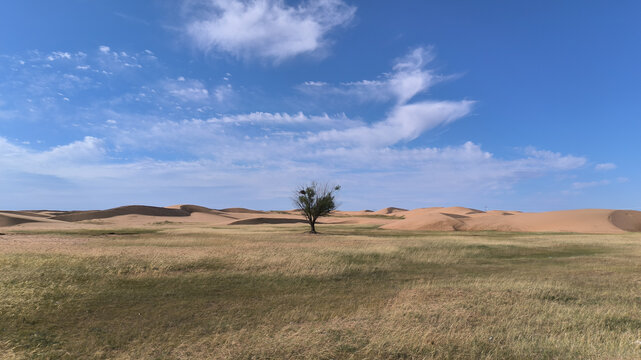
313	226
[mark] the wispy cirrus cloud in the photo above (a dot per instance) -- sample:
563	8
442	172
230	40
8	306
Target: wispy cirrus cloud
409	77
405	121
268	168
171	132
605	167
588	184
187	89
65	86
64	161
266	29
261	118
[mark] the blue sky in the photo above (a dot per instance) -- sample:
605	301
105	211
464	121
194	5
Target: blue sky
516	105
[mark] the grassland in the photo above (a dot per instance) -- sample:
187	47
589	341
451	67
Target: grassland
260	292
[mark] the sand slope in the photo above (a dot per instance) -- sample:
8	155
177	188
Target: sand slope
242	211
119	211
427	219
390	210
268	220
12	218
465	219
627	220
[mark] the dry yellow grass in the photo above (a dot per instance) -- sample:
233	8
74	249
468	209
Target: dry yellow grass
353	292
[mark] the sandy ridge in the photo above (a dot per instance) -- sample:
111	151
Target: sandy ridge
422	219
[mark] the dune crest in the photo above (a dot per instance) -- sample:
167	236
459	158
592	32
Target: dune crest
628	220
464	219
119	211
268	220
389	210
454	218
242	211
11	219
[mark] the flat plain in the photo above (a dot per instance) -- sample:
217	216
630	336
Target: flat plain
171	290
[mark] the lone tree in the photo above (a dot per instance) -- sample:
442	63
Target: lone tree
315	201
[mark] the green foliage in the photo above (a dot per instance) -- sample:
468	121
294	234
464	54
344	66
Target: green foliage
315	201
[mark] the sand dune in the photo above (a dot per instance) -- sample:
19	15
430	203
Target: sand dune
31	213
390	210
191	209
627	220
464	219
11	219
242	210
432	219
427	219
267	220
354	213
501	212
123	210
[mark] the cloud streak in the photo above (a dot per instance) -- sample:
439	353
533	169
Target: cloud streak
254	169
605	167
409	77
166	135
404	123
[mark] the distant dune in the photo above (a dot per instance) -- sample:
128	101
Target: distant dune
272	220
123	210
627	220
389	210
242	210
191	208
464	219
14	219
423	219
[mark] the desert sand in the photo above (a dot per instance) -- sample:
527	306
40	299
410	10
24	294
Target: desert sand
423	219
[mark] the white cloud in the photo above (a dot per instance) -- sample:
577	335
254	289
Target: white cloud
192	90
315	83
64	160
223	92
255	155
410	77
605	167
268	29
555	160
584	185
274	118
112	61
59	55
404	123
187	90
90	148
268	169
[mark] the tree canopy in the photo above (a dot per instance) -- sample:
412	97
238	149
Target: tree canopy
314	201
